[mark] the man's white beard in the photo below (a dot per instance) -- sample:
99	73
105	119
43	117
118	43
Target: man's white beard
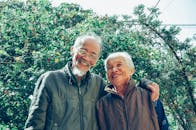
78	72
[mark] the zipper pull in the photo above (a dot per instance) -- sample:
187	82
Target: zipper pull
79	89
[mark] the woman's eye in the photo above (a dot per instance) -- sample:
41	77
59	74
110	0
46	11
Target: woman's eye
119	65
109	67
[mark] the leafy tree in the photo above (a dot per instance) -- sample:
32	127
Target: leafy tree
175	63
36	37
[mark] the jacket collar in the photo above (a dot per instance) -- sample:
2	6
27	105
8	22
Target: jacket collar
112	89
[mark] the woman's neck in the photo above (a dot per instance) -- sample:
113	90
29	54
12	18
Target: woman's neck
121	90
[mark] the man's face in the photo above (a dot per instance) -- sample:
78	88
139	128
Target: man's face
85	56
118	72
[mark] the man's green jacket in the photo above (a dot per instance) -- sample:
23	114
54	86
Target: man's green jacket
61	103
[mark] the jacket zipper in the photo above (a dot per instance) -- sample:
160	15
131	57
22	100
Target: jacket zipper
125	109
81	108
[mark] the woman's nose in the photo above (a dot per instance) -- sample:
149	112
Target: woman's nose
114	69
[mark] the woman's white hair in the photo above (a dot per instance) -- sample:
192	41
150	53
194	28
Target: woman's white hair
124	55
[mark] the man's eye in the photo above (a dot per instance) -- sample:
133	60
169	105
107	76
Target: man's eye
93	56
82	51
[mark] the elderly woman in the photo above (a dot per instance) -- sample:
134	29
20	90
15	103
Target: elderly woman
126	106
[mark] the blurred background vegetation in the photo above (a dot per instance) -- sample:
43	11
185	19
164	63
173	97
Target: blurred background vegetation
36	37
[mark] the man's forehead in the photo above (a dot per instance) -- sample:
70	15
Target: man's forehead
91	46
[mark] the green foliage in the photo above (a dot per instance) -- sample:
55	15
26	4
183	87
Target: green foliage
175	65
36	37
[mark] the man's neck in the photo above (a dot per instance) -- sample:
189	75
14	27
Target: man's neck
78	78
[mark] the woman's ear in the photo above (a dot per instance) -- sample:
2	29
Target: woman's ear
132	71
107	78
71	50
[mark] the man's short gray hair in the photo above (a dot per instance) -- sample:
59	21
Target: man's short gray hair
88	36
125	55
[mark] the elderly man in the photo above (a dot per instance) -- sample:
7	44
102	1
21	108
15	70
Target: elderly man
126	106
65	99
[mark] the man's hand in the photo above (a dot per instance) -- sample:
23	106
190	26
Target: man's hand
154	88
